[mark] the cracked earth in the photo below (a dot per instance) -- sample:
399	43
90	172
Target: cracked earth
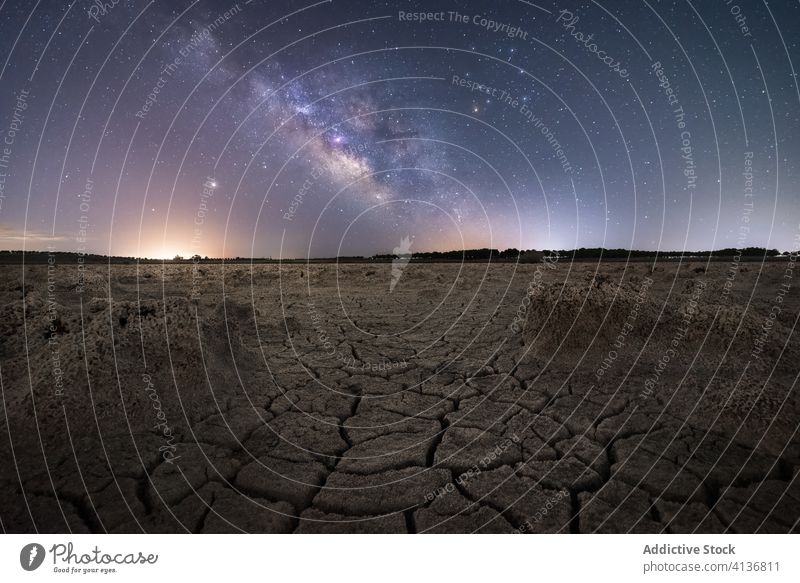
536	398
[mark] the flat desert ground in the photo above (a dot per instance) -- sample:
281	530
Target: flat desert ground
544	397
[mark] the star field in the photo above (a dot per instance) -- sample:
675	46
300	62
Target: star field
340	127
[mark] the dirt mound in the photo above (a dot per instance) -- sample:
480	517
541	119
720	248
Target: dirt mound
609	316
576	318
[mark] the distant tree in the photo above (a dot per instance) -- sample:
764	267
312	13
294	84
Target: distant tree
511	253
531	256
178	258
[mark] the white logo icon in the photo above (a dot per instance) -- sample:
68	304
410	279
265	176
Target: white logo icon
31	556
402	255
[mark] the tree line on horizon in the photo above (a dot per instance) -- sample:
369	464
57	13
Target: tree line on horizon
483	254
580	253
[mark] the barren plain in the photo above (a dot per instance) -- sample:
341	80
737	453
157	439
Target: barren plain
551	397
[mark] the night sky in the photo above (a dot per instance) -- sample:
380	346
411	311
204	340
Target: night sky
294	129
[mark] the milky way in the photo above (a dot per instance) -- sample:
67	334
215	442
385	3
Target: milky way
340	127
